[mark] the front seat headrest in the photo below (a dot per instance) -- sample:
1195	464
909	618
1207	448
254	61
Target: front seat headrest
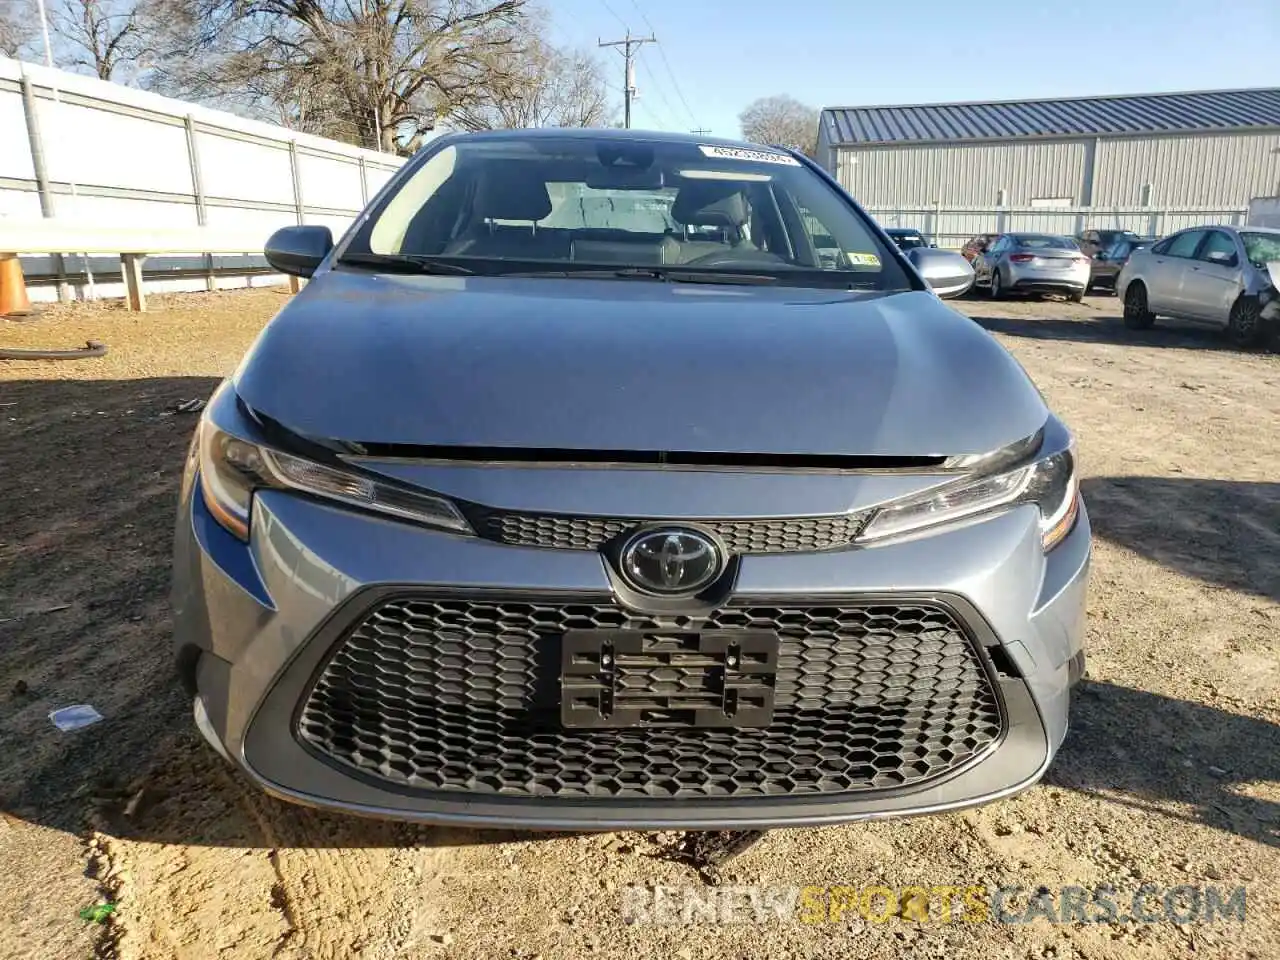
503	194
710	204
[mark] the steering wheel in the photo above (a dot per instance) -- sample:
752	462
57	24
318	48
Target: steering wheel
734	259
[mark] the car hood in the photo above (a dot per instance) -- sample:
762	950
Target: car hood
630	365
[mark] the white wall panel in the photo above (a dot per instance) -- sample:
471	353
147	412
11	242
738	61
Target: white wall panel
113	210
87	146
15	149
265	222
329	182
377	176
19	203
241	170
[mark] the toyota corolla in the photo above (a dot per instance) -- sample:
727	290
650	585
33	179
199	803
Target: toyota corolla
580	489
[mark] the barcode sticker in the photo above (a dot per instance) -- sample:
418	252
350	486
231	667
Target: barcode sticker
740	153
862	259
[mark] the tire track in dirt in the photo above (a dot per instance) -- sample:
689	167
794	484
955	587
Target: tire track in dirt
238	870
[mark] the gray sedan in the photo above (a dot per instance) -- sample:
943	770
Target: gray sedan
509	520
1224	276
1032	263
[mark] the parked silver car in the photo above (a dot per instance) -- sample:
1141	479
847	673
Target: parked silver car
1032	263
1225	276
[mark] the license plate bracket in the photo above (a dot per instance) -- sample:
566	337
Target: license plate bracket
654	678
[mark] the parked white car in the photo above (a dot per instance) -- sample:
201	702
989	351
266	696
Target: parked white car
1225	276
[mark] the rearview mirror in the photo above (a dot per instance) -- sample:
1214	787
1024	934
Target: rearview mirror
948	274
298	250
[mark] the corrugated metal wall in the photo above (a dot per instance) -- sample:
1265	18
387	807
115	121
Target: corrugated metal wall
1205	170
963	173
1187	171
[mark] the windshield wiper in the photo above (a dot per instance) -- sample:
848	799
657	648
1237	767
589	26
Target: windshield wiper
407	263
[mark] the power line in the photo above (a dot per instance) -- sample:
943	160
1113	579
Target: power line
666	63
671	111
626	26
629	47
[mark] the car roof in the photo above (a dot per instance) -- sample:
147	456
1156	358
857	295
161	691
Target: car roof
905	231
602	133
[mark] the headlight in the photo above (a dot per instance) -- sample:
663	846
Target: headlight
1049	482
231	469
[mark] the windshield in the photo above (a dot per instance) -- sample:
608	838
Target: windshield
566	204
1261	248
1037	241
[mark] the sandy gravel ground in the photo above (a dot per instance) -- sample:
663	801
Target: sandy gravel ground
1170	776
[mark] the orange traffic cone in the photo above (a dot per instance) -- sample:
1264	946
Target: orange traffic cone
13	288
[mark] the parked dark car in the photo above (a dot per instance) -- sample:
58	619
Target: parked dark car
1095	241
1107	263
977	246
908	238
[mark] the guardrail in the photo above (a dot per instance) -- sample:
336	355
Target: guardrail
132	244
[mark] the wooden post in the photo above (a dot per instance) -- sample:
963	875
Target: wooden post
131	268
294	286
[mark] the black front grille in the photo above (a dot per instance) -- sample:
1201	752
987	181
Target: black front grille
464	696
772	535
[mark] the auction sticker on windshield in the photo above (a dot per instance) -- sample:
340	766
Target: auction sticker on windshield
739	153
862	259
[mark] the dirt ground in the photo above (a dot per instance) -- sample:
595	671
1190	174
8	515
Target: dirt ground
1171	774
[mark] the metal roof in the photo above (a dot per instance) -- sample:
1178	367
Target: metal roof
1153	113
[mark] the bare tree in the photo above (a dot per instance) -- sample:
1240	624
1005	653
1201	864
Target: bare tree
542	86
781	120
101	36
374	72
17	26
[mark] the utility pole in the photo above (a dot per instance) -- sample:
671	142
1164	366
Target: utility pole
628	45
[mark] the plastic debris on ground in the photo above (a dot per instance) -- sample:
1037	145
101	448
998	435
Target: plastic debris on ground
98	913
73	718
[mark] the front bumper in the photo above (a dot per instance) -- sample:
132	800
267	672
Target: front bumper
254	621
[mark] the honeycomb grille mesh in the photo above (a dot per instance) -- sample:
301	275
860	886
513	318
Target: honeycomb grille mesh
463	696
557	531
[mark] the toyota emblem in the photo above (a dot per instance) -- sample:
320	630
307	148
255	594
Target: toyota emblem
670	561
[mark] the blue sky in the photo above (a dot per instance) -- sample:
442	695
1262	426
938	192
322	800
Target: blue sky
726	53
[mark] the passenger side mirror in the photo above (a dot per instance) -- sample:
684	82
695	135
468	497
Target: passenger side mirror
948	274
297	251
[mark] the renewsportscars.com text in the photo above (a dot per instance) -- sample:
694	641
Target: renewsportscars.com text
932	904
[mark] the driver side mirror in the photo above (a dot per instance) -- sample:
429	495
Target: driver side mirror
297	251
948	274
1223	259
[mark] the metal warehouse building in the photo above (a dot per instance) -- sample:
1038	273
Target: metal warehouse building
1211	149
